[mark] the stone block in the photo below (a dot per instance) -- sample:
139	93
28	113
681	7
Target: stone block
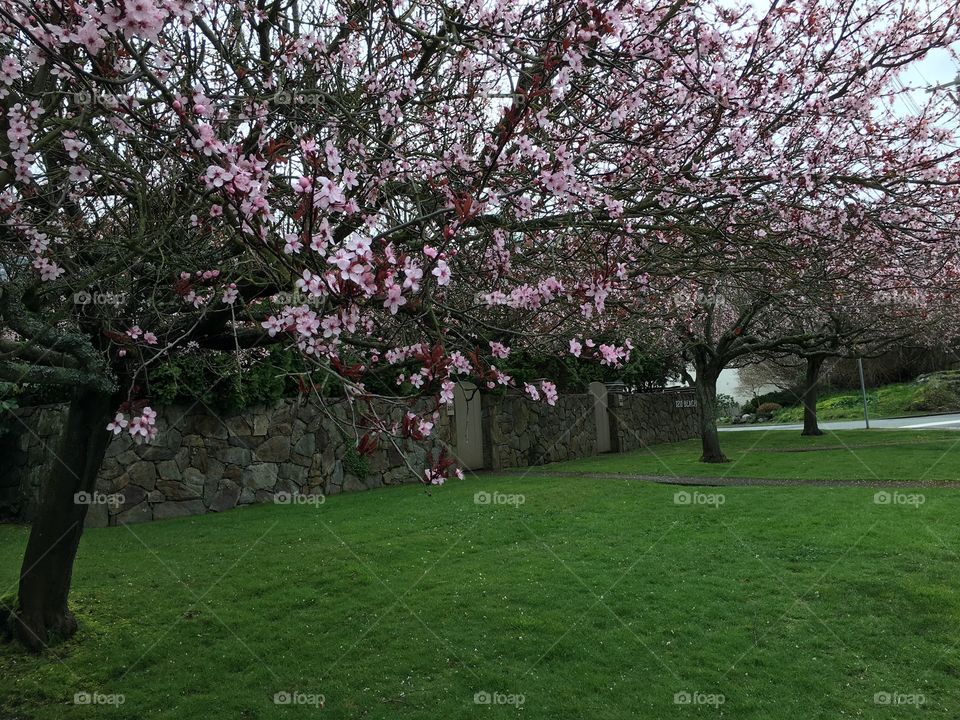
260	476
351	483
275	449
234	456
296	474
132	495
263	496
226	497
137	514
238	426
98	515
166	510
175	490
306	445
168	470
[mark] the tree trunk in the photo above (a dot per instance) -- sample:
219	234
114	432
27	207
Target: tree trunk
811	389
42	615
706	388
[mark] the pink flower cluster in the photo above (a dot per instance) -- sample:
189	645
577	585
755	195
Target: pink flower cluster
142	428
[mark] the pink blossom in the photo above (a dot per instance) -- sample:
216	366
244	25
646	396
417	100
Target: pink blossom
446	392
73	147
328	195
143	428
292	244
549	392
273	325
311	283
302	184
118	424
498	350
217	177
531	391
434	477
9	69
394	299
89	36
331	326
48	270
413	274
442	273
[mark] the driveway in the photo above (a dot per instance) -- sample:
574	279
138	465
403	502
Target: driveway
934	422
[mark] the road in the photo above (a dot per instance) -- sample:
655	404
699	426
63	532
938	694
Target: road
931	422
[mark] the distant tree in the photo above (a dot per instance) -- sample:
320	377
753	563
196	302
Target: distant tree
790	174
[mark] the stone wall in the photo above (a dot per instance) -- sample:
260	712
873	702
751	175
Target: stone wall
31	436
521	432
651	418
205	462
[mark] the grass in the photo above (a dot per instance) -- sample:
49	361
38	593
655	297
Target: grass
591	598
876	454
888	401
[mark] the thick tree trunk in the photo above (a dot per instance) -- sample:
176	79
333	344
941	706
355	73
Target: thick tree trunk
811	389
42	615
706	388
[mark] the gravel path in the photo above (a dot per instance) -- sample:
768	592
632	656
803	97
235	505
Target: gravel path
740	481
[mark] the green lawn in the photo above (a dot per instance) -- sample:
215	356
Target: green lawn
591	599
887	401
845	454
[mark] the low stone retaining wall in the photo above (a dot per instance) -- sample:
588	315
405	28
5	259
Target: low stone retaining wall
652	418
521	433
205	462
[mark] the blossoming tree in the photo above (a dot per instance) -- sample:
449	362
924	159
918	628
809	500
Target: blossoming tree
439	182
404	169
